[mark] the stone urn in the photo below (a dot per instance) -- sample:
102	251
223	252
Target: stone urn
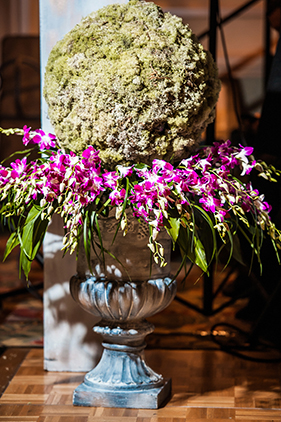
123	293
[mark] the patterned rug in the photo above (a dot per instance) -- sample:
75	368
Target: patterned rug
21	316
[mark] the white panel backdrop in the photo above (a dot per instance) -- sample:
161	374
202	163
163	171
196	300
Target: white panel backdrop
69	343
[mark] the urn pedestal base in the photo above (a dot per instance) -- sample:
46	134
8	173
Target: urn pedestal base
151	398
122	378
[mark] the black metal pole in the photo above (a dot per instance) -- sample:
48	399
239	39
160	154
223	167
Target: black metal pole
267	54
210	137
214	6
231	16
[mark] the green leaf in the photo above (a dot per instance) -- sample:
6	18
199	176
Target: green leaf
193	248
276	251
87	234
173	228
229	246
183	261
31	235
12	242
26	153
200	255
187	273
33	232
140	166
207	232
100	237
24	263
103	210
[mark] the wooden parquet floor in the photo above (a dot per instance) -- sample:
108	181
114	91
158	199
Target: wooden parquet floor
207	384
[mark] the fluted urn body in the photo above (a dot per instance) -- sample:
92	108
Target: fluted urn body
123	294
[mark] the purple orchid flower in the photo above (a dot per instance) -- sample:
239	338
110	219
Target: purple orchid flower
18	167
90	157
117	197
44	141
110	179
210	203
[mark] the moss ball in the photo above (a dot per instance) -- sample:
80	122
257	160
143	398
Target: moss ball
132	81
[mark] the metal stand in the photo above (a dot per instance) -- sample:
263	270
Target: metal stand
208	287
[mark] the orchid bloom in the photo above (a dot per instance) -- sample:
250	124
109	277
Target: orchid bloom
68	184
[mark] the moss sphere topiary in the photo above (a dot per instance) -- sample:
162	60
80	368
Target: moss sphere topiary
132	81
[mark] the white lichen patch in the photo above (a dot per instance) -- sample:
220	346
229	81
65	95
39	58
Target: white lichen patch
132	81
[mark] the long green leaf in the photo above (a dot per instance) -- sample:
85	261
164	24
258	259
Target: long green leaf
276	251
33	232
25	264
173	228
87	240
183	261
200	255
12	242
100	238
196	252
231	250
26	153
210	247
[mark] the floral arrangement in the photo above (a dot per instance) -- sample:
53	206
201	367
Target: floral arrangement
130	90
198	201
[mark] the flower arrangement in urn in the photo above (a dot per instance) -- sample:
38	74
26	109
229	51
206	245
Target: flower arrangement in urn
130	91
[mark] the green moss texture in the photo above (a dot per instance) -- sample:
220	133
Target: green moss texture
132	81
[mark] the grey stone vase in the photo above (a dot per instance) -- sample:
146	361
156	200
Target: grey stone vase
123	295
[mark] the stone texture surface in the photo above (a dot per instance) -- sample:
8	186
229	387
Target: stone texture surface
122	378
137	399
